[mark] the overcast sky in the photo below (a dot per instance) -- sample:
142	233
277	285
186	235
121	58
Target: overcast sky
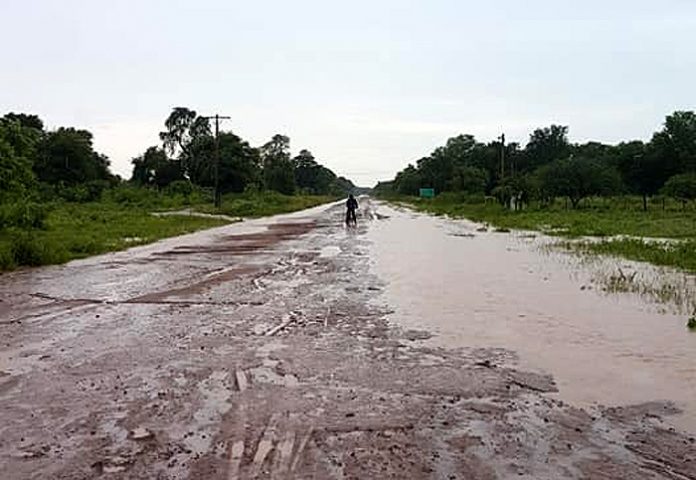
367	86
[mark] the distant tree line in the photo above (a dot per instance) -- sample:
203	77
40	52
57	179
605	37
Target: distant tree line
40	163
549	166
188	154
62	161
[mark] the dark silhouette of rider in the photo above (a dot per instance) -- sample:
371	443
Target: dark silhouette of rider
351	207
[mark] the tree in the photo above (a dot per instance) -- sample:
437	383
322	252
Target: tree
681	187
22	139
469	180
184	127
516	191
546	145
310	176
641	168
240	164
342	186
278	171
675	144
155	168
578	178
66	156
408	181
16	176
25	120
188	139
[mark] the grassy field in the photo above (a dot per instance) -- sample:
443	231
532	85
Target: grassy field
263	204
596	218
681	254
124	219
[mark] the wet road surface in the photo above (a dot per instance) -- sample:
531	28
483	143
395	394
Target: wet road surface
508	290
292	348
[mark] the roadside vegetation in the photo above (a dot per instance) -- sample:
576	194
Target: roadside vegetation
59	200
628	194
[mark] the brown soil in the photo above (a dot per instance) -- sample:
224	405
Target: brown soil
276	361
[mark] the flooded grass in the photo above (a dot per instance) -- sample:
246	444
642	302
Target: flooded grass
596	217
604	218
611	331
681	255
673	289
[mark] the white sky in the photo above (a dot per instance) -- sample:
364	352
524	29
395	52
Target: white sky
367	86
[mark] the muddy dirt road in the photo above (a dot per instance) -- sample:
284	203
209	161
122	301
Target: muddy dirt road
283	348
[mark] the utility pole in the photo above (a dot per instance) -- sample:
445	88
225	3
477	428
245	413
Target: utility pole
502	156
216	171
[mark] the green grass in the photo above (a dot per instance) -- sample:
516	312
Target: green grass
596	218
681	254
262	204
124	219
80	230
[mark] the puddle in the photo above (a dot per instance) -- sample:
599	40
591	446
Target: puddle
329	252
497	290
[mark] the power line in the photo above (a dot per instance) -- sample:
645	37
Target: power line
218	195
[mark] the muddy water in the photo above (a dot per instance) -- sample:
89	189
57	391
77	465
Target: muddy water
506	290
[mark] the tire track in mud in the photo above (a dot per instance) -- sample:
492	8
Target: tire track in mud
231	246
290	369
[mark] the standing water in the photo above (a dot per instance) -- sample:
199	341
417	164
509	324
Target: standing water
557	313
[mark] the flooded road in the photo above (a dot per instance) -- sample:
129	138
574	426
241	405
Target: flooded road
293	348
508	290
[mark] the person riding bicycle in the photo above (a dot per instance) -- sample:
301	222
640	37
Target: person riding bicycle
351	207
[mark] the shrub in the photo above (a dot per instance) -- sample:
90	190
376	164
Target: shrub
6	259
130	195
95	189
681	187
22	214
180	187
27	249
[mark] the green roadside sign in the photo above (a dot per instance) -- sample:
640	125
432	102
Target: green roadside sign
427	192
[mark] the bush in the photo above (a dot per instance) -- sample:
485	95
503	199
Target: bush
681	187
134	196
95	189
24	215
6	259
180	187
27	249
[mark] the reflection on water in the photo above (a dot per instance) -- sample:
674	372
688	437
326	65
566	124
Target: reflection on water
556	310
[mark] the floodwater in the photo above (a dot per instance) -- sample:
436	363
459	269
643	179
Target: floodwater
552	309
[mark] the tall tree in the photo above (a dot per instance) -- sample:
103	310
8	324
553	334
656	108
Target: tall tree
676	143
310	176
184	127
16	176
26	120
578	178
155	168
546	145
240	164
188	138
66	156
278	171
682	187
